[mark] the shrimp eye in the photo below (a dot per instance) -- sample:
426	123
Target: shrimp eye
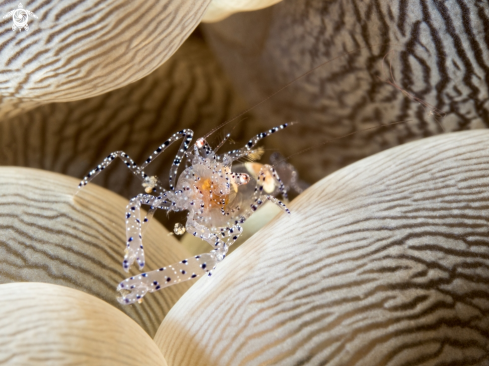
200	143
244	178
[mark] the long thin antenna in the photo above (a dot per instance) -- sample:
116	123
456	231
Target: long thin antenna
222	142
227	136
392	81
286	86
341	137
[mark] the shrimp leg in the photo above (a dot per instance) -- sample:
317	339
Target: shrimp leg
131	165
244	151
263	174
139	170
134	238
187	136
134	288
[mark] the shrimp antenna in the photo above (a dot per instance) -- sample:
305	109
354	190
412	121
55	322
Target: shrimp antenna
392	81
341	137
285	87
222	142
227	136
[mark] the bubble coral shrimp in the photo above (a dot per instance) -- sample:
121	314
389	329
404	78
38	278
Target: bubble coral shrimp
217	198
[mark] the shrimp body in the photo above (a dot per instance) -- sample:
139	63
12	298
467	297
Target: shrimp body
217	198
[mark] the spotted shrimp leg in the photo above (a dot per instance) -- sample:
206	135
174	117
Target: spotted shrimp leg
257	204
262	174
244	151
136	170
149	215
187	136
134	239
259	197
134	288
139	170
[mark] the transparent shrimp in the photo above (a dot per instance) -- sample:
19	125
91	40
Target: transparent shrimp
217	198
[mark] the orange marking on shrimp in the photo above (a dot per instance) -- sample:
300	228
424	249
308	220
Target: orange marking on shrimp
211	198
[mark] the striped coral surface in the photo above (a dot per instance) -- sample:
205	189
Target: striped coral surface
385	262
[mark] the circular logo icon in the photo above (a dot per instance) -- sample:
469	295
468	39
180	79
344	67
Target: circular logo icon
20	18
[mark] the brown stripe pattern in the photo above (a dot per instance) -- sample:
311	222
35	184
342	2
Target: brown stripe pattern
44	324
385	262
78	49
47	235
439	52
219	9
